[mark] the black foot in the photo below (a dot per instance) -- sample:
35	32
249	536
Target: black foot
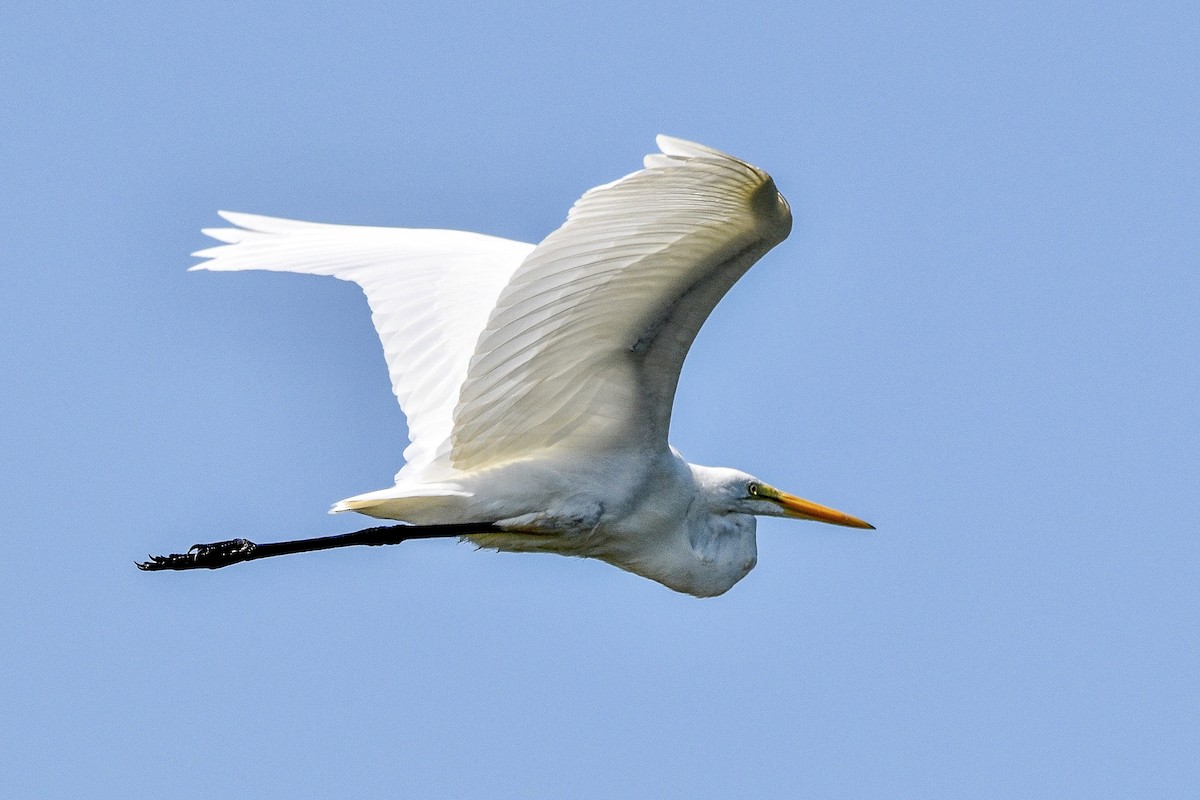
204	556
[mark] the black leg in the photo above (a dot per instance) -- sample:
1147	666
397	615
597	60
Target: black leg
234	551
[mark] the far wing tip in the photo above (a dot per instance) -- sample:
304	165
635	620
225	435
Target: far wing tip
683	148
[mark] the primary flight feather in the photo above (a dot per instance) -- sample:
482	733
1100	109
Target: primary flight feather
538	380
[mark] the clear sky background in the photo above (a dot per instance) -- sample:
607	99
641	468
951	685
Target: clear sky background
981	336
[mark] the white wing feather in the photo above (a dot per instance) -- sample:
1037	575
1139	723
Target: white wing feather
586	342
583	337
430	293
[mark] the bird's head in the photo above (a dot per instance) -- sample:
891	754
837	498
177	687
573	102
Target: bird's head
721	527
733	491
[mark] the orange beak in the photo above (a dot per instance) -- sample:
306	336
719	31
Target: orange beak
799	508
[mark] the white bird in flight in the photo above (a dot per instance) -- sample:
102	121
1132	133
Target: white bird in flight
538	380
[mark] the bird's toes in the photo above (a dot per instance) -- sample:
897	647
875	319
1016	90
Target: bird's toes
204	556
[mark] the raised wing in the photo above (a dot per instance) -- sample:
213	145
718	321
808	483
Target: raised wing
586	342
430	293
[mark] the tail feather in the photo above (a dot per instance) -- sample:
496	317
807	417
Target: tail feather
418	504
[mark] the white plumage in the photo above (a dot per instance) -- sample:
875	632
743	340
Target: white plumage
538	381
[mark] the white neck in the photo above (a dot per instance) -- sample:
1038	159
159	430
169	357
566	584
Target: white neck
714	547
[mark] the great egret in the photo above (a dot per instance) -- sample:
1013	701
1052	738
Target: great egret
538	380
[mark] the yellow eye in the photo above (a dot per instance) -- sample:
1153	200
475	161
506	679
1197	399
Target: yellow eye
753	489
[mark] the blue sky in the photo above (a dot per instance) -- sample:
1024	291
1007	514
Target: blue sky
981	336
